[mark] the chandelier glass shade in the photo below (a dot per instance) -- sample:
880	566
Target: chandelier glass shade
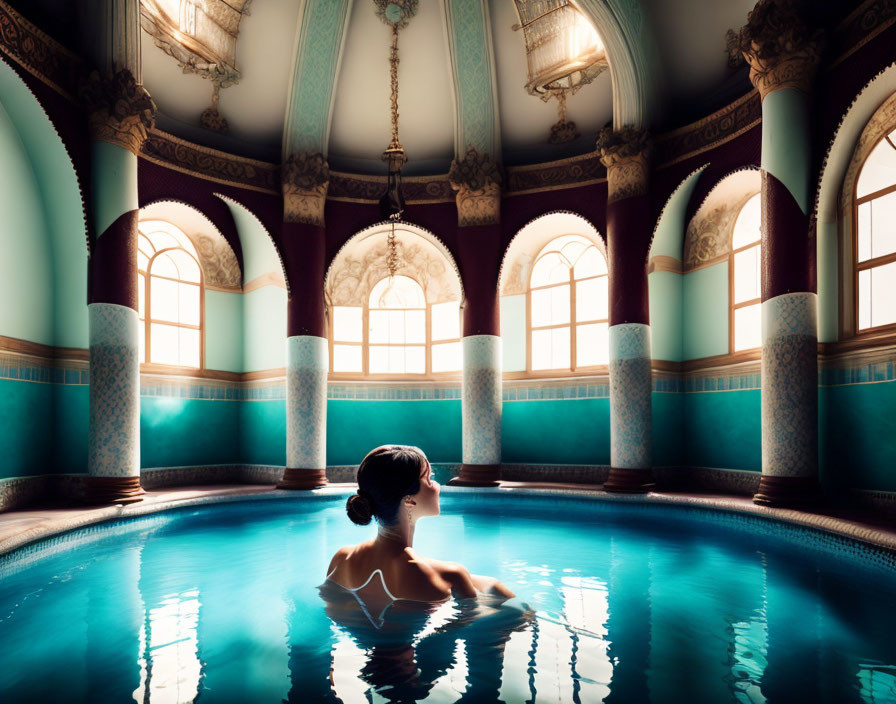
563	50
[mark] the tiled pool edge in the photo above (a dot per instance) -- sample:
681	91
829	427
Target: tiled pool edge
157	502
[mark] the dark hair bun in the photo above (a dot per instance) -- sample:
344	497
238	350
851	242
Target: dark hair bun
359	509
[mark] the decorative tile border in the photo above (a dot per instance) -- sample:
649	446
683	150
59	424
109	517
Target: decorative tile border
26	367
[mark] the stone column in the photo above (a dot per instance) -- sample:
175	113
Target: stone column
477	180
120	113
305	179
783	54
626	153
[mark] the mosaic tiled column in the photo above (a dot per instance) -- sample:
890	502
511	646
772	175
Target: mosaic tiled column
783	56
305	180
120	112
625	153
477	180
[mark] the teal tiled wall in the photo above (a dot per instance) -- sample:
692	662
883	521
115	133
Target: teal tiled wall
561	431
178	432
26	428
723	429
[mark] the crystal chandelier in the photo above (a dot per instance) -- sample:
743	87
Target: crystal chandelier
563	53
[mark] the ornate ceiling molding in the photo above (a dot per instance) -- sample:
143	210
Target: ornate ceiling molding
626	153
470	48
120	111
319	44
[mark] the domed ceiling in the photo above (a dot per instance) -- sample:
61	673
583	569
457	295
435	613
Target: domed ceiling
326	64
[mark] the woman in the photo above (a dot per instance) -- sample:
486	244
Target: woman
396	487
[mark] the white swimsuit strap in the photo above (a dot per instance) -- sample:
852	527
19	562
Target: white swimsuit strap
355	589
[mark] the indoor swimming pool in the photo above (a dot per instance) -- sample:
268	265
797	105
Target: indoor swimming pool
616	601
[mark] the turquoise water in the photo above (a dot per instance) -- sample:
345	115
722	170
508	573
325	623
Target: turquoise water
623	603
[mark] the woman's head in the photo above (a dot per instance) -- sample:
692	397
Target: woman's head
390	479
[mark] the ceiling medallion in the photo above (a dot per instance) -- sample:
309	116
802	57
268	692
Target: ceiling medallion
396	14
563	53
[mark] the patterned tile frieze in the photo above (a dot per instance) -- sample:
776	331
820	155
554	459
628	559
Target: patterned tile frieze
790	314
113	445
630	396
481	404
307	361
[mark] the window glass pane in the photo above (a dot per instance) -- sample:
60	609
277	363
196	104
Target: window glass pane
397	292
145	245
748	327
141	296
164	265
189	304
879	170
396	360
164	344
379	326
446	357
155	232
559	304
415	325
142	261
552	268
186	265
863	228
592	344
746	227
883	225
550	349
560	348
347	358
591	299
379	359
347	323
550	306
877	296
747	275
396	326
163	299
189	347
415	360
573	249
591	263
446	320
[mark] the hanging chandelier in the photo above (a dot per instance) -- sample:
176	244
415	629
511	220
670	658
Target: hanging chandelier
563	53
396	14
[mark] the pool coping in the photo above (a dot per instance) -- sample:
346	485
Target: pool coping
22	527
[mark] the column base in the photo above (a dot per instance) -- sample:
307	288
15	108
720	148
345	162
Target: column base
625	480
477	475
303	479
113	490
786	491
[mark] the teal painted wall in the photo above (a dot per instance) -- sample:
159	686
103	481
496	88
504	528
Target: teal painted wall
259	255
513	332
264	329
224	331
705	312
668	429
723	429
665	294
177	431
263	432
26	428
354	428
71	408
564	431
26	267
857	442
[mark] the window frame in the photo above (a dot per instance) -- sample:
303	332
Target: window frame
156	367
854	263
574	369
364	344
732	306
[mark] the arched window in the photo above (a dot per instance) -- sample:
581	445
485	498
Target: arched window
397	332
170	296
874	241
567	300
745	278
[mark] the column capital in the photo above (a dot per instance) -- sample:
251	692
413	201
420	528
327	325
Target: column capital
120	110
780	48
477	178
305	178
626	155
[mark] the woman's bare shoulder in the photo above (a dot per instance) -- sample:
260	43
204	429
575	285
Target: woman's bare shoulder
454	576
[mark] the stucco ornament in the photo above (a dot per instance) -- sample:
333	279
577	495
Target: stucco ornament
477	178
780	48
120	110
305	178
219	263
626	155
396	13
